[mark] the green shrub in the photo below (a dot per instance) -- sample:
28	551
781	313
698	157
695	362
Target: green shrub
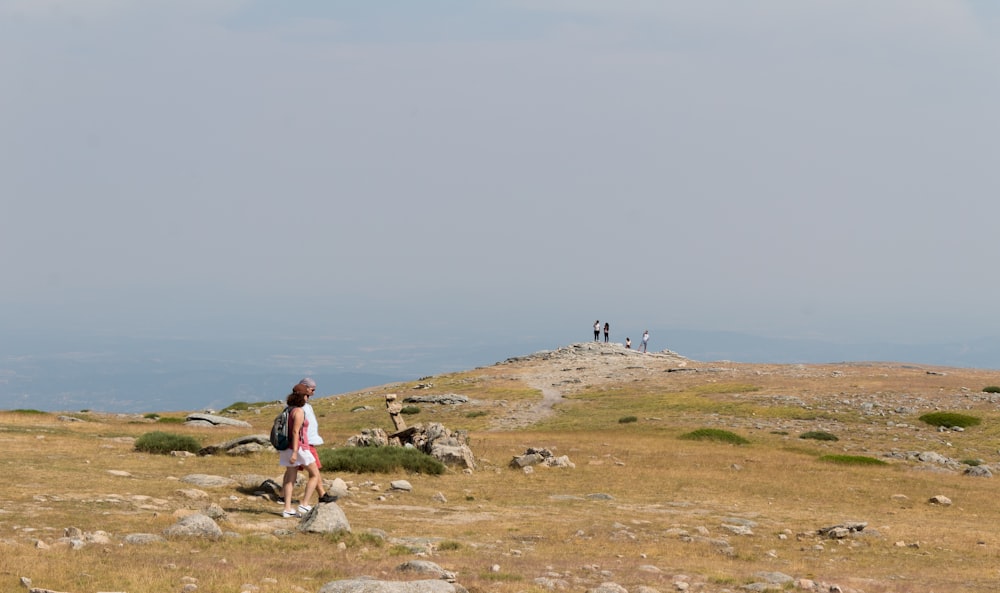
991	389
381	460
151	416
170	420
714	434
410	410
28	411
779	432
949	419
477	414
165	442
852	460
972	462
243	406
627	419
449	545
818	435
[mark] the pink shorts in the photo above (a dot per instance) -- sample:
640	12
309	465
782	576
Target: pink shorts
315	453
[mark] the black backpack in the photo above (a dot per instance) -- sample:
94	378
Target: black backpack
280	437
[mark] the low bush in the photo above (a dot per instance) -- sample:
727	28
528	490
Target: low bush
991	389
477	414
627	419
949	419
972	462
818	435
379	460
409	410
28	411
170	420
243	406
852	460
165	442
714	434
151	416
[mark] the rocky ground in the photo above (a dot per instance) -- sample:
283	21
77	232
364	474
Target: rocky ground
874	406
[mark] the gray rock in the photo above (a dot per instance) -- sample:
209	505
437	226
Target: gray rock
196	525
978	471
401	485
199	419
552	584
325	518
244	445
426	567
608	588
209	481
448	398
141	539
374	586
774	577
454	455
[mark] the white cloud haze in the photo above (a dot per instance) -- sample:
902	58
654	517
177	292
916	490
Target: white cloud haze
446	169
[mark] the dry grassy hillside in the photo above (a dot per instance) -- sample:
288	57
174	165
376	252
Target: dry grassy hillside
641	508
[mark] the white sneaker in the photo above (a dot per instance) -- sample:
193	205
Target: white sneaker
304	509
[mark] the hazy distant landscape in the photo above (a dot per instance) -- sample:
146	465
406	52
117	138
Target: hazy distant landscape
118	374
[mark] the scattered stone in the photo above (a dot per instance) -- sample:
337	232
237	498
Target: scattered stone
209	481
940	499
401	485
200	419
426	567
842	530
244	445
141	539
363	585
978	471
195	525
540	456
446	399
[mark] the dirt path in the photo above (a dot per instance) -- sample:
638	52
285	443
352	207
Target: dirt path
576	367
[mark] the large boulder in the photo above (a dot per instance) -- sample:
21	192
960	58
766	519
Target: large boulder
325	518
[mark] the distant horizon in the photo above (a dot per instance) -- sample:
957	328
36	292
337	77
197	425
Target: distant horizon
132	375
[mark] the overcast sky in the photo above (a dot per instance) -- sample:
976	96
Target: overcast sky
821	169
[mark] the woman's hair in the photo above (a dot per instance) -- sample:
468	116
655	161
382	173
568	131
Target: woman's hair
296	399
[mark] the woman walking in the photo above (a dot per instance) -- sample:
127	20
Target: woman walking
296	455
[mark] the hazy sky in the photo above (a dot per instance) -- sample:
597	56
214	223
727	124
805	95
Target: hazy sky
823	169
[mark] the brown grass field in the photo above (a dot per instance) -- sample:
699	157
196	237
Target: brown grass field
661	523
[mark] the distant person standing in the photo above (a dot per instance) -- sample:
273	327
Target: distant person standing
607	330
628	343
309	387
597	330
645	339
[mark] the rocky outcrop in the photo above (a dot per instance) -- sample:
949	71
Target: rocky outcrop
200	419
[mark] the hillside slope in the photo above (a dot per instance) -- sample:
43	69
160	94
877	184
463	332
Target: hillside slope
637	504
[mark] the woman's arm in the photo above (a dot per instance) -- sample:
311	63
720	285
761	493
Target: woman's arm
297	417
